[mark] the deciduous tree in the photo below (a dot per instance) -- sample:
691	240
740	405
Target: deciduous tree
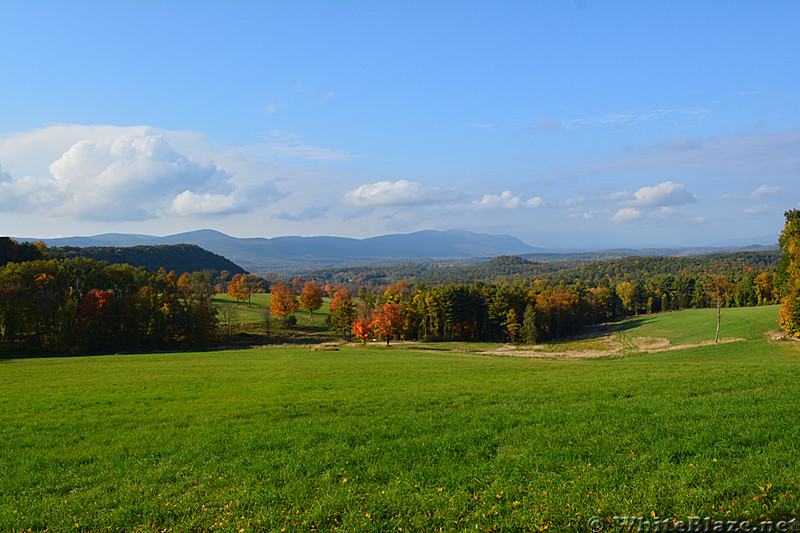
788	274
283	301
717	287
311	297
362	330
386	321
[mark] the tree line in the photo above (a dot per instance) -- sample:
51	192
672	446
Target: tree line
532	310
79	305
509	268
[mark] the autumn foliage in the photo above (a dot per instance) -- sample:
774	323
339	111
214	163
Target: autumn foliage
789	274
386	321
83	306
311	297
283	301
242	286
362	330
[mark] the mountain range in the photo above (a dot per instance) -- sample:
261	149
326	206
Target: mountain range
260	255
302	254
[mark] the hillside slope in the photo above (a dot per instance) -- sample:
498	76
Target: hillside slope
177	257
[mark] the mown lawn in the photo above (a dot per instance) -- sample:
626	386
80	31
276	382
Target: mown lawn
377	439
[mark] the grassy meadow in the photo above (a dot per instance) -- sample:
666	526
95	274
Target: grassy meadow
425	437
248	320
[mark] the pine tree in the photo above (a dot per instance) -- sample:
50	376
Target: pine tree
530	333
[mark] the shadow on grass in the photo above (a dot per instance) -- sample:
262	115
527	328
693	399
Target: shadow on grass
601	330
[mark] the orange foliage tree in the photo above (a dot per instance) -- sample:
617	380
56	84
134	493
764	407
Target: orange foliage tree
362	330
283	301
311	297
242	286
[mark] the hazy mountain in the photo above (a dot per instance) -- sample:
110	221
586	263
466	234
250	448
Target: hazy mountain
282	253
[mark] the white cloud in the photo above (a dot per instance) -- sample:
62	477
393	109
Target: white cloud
626	214
766	190
106	173
534	202
401	192
506	200
758	209
189	203
663	194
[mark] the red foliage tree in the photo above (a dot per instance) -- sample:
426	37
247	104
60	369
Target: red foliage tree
98	306
387	321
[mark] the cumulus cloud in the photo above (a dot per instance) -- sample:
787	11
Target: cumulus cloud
506	200
401	192
766	190
626	214
663	194
119	174
189	203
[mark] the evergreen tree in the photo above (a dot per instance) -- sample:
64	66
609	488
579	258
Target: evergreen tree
530	333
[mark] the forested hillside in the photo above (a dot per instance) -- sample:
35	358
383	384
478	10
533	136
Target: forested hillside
509	268
178	258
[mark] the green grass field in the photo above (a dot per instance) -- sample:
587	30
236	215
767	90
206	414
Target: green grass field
406	438
249	319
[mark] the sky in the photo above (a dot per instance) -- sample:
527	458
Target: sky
568	124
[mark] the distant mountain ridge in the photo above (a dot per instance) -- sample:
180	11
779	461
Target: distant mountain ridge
304	254
291	253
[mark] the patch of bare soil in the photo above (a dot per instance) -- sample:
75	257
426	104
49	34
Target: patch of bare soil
682	346
650	343
612	348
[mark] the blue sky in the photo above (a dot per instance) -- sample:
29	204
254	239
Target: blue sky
567	124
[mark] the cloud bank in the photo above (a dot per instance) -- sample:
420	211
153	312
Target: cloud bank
120	174
506	200
397	193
